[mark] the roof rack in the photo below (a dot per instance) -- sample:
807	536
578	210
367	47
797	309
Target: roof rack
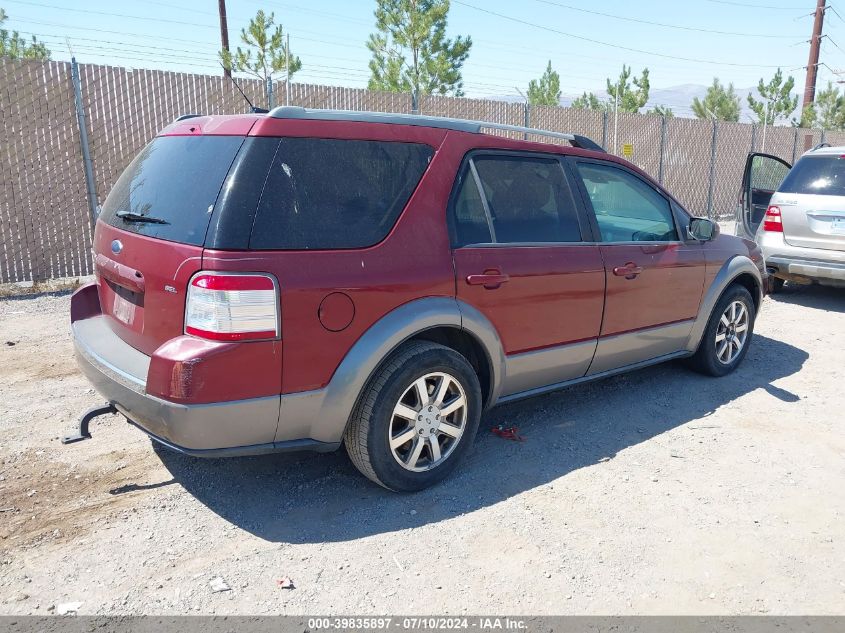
297	112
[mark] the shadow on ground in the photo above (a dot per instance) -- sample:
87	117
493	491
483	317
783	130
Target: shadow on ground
814	296
314	498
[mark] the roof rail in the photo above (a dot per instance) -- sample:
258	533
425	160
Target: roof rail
462	125
182	117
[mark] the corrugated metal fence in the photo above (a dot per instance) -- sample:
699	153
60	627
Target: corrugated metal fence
45	230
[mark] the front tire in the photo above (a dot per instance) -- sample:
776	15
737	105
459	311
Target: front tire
728	334
416	418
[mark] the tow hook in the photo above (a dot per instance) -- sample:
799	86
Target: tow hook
85	420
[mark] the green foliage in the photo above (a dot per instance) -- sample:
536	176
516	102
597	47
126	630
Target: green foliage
809	117
588	101
777	94
828	111
631	98
719	102
546	89
660	110
411	52
265	55
14	46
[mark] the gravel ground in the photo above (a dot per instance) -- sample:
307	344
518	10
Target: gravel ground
657	492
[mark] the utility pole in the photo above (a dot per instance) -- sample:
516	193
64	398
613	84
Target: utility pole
616	115
813	62
526	113
765	122
287	68
224	32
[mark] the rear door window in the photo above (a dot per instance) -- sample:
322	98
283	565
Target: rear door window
469	218
174	182
823	175
336	194
527	198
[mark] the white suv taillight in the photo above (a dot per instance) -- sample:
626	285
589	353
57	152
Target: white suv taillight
772	220
232	307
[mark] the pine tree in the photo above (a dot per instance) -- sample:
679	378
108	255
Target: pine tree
719	103
661	110
13	46
828	111
265	55
546	89
631	99
777	93
411	52
588	101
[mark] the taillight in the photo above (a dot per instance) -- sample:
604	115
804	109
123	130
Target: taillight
772	220
232	307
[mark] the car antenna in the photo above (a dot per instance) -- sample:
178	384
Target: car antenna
252	108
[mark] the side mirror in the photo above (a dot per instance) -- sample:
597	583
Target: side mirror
702	229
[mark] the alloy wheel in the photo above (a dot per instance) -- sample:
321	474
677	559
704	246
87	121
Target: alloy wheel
428	421
732	332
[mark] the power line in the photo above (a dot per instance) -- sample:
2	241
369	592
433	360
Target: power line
114	15
662	24
610	45
757	6
515	50
318	71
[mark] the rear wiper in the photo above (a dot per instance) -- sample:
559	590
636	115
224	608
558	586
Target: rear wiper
128	216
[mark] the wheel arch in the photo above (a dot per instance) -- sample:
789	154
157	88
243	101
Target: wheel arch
748	281
470	347
740	270
439	319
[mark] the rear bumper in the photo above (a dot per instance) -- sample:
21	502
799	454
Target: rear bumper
800	263
118	372
807	268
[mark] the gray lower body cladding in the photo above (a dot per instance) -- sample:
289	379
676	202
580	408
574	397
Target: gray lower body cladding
242	427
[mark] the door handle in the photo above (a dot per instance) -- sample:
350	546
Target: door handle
120	274
491	279
628	271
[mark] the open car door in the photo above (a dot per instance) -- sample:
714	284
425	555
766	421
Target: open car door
761	178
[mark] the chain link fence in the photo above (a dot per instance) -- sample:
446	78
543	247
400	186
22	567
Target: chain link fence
45	225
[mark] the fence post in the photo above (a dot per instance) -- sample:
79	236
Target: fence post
712	171
753	136
88	166
604	129
821	140
662	149
795	146
526	118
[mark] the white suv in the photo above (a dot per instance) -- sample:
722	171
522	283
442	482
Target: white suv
797	215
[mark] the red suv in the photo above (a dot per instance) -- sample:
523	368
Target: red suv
306	278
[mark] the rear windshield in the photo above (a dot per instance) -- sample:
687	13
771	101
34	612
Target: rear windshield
824	175
334	194
175	181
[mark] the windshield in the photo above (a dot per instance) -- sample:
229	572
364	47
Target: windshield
174	182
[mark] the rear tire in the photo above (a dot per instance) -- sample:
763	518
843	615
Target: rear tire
416	418
728	334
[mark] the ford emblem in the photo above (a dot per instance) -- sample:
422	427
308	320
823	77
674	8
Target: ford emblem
116	247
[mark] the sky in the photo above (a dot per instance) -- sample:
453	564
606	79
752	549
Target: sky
695	40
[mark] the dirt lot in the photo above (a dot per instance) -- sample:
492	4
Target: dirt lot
657	492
